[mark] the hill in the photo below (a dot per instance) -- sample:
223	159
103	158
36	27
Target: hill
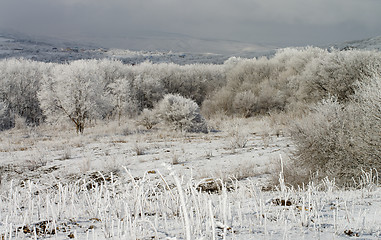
373	43
155	47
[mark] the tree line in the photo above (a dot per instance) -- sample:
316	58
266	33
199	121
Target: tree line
85	90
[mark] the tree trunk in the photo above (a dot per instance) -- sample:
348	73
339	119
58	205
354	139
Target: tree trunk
80	126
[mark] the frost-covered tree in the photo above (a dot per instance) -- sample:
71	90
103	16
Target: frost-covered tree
144	91
196	81
19	84
74	91
118	94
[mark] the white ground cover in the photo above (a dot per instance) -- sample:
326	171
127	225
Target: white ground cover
116	182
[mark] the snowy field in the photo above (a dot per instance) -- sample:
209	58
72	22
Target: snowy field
120	181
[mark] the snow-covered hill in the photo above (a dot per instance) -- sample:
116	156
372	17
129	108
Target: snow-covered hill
365	44
156	48
45	50
174	42
179	49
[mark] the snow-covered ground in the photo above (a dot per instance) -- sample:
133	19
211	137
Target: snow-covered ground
119	181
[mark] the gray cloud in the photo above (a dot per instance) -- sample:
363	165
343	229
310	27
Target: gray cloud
279	22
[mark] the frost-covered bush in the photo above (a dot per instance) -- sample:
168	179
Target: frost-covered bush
339	139
148	119
244	103
181	114
335	73
7	119
260	78
366	123
219	103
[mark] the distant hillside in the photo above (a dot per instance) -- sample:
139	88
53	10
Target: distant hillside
172	48
165	42
365	44
154	47
46	50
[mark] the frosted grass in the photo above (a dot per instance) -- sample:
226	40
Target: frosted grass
131	208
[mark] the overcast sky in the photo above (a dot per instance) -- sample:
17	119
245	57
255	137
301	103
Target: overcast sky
273	22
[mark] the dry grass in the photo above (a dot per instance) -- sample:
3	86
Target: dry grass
67	153
175	159
213	181
139	149
292	175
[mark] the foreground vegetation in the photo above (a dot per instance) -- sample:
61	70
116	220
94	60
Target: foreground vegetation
151	209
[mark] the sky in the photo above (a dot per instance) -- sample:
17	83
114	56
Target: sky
272	22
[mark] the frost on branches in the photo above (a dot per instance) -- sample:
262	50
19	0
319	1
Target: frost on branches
19	83
73	92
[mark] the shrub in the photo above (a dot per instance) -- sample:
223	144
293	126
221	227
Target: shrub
366	123
181	114
221	102
7	120
336	74
148	119
244	103
338	140
238	137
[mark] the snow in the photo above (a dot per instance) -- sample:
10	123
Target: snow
365	44
53	178
172	50
58	51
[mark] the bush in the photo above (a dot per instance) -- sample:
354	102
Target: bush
338	140
244	103
7	119
181	114
336	74
148	119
